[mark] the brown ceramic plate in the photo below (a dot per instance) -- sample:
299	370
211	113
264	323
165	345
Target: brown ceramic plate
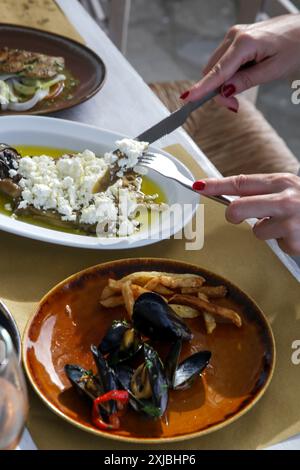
81	62
241	366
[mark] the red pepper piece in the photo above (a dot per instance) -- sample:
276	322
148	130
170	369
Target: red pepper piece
114	423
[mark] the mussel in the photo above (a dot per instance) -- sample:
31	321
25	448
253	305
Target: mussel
84	381
121	342
147	385
154	318
9	160
88	385
181	376
113	337
106	375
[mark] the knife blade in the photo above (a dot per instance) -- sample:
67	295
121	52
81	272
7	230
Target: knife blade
174	120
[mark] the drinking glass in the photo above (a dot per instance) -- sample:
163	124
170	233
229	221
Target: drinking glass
13	395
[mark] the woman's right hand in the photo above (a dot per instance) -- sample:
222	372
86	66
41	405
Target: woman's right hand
273	46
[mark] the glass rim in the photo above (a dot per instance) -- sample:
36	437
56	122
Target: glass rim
8	348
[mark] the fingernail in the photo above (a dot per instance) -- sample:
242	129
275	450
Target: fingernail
228	90
184	95
233	110
199	185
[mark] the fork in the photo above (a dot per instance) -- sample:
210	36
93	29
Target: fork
165	167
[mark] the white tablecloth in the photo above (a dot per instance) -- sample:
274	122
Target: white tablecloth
127	105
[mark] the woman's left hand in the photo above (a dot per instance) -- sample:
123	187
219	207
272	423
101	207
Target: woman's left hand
274	199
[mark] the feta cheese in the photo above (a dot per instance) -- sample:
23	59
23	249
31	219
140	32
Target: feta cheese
64	184
132	150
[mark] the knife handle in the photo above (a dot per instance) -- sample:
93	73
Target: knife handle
193	105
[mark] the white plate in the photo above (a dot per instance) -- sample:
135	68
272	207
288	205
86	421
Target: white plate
58	133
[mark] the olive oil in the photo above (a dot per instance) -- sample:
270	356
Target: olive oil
148	187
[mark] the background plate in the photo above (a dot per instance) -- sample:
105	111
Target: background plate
81	61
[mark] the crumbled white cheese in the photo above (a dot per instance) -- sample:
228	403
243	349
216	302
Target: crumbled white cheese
132	150
65	185
8	207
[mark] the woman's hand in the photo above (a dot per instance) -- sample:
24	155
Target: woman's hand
273	199
273	46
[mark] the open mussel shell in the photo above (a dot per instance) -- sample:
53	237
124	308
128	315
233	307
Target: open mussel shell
83	381
121	342
172	361
123	375
189	369
106	375
157	377
154	404
154	318
8	160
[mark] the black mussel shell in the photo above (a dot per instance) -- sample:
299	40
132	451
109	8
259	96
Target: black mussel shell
8	157
106	375
172	361
154	318
157	378
155	406
113	337
83	380
187	370
130	345
123	375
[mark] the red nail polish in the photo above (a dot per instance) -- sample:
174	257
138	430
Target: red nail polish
228	90
184	95
233	110
199	185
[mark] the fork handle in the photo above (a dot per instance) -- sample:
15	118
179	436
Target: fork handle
188	184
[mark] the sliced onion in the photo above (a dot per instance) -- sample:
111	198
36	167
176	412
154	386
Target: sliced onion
50	83
7	76
26	105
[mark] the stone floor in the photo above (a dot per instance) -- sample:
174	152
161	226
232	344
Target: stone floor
172	40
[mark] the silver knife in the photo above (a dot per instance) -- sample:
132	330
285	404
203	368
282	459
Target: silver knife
174	120
164	127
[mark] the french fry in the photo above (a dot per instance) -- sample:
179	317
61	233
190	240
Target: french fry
141	278
106	293
215	310
203	297
128	297
190	290
213	292
115	285
137	290
184	311
111	302
155	286
181	280
210	322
